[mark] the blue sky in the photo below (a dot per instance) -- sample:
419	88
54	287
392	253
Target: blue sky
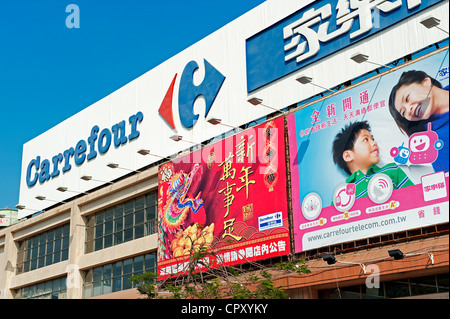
49	72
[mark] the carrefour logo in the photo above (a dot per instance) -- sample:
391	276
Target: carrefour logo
188	92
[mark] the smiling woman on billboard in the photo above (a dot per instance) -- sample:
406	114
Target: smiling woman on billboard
418	99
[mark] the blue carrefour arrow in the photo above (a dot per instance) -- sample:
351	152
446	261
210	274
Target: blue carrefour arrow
189	92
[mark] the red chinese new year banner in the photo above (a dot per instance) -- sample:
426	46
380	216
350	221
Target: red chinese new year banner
229	197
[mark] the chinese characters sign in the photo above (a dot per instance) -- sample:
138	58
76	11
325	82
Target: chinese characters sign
350	110
229	197
317	30
401	184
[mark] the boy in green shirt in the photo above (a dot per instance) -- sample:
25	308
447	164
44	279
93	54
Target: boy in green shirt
357	153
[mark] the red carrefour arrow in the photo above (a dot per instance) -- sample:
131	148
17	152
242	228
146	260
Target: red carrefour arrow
166	106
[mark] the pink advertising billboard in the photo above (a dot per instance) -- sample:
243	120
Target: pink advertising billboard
373	159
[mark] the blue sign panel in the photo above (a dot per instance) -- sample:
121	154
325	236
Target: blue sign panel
318	30
270	221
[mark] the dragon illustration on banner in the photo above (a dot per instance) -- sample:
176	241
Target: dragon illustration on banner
178	205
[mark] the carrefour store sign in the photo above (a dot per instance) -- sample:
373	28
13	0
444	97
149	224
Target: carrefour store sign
85	150
101	143
207	80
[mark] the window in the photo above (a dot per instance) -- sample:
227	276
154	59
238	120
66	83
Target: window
116	276
131	220
423	285
52	289
391	289
43	250
397	288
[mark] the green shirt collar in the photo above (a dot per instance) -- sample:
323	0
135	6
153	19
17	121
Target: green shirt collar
359	174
